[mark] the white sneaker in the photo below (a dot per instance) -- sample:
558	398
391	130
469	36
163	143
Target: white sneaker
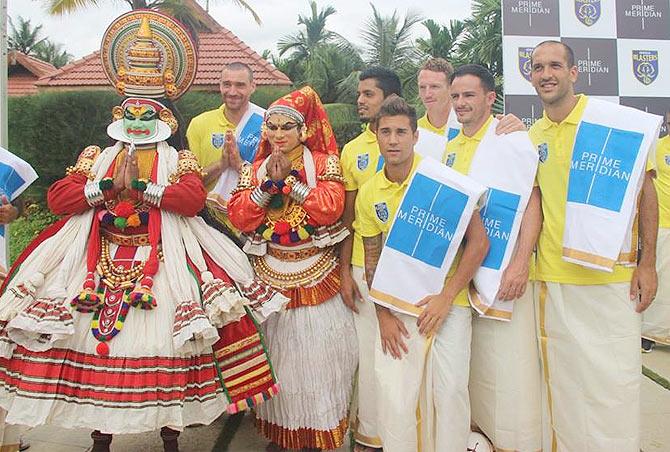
478	443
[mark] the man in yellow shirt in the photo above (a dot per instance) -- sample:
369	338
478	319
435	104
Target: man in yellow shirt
433	81
589	320
656	319
505	373
222	139
403	363
360	161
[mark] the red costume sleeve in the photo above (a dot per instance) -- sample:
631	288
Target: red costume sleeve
186	197
243	213
66	196
325	202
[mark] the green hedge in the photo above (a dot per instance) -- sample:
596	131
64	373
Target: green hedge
49	130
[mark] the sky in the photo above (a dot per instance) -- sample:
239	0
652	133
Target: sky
80	32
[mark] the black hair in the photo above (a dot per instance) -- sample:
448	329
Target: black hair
484	75
387	80
397	106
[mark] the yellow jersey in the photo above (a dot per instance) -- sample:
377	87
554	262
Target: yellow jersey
662	181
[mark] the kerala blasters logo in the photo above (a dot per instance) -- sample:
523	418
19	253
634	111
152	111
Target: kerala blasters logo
667	159
645	65
382	211
524	55
217	140
362	161
543	152
451	158
587	11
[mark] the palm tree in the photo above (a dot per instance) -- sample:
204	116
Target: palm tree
25	37
388	39
176	8
317	56
52	53
442	41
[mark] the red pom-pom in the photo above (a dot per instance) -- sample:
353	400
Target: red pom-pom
286	190
102	349
284	239
89	284
124	209
282	227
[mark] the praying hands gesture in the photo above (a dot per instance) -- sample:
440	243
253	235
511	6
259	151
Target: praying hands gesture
126	172
279	166
230	154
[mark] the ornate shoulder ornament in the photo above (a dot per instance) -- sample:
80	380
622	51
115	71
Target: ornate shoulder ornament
85	162
187	163
333	170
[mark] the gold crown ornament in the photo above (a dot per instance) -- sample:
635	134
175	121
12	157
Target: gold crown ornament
148	54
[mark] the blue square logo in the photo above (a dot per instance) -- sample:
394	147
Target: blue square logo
602	163
498	217
426	221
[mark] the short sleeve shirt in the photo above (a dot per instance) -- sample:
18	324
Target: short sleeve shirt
381	195
555	142
662	181
360	160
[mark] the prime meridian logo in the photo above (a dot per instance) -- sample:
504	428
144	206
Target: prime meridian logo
645	65
524	55
587	11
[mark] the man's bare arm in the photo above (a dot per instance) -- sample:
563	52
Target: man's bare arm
372	247
645	280
348	289
515	277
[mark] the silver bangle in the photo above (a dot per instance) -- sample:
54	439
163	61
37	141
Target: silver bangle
93	193
153	194
260	197
299	192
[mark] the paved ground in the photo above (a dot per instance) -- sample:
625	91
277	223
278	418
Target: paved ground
237	434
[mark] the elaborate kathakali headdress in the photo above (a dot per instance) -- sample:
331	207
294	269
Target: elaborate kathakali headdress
147	56
304	107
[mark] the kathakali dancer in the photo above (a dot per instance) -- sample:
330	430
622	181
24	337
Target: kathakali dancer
130	314
288	205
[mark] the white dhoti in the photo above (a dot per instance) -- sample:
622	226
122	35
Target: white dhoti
656	319
590	347
505	379
422	399
367	330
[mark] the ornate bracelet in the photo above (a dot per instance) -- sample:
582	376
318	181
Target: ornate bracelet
299	192
153	194
93	194
260	197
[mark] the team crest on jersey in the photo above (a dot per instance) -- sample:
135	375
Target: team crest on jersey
451	158
362	161
217	140
543	152
645	65
524	61
667	159
382	211
587	11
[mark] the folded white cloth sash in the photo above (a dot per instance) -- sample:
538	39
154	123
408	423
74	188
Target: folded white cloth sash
609	158
506	164
431	144
424	238
248	135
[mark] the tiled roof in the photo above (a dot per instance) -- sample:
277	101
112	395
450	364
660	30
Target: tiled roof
34	65
24	70
217	46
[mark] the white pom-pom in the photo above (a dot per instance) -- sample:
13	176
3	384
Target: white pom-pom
37	280
207	277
